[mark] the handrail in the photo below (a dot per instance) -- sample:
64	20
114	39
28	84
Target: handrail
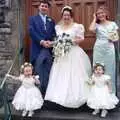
3	86
18	51
5	78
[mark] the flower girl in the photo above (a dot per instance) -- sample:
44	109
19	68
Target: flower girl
28	97
101	96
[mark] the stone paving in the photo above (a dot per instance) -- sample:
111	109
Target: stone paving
55	112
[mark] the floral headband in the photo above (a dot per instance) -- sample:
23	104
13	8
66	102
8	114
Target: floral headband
26	64
98	63
66	7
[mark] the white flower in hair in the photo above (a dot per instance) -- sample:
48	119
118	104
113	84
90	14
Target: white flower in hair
30	64
49	19
26	63
68	7
99	63
102	64
22	66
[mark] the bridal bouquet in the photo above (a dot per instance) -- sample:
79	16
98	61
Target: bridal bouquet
62	45
113	35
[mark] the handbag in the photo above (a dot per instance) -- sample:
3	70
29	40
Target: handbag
113	36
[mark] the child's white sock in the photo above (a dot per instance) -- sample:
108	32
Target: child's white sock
104	113
30	113
24	113
96	111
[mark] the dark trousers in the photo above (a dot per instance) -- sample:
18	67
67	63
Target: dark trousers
42	68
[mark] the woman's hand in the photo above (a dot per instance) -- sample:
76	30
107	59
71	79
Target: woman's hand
93	23
94	17
78	40
111	41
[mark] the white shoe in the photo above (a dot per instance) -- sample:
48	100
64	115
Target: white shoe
96	111
104	113
24	113
30	113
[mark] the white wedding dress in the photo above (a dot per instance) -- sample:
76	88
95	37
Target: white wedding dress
68	76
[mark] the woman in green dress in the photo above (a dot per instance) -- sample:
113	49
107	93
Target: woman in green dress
104	51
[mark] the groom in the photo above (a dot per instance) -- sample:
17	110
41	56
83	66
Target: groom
42	32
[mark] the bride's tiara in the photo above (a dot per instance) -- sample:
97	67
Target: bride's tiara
99	63
66	7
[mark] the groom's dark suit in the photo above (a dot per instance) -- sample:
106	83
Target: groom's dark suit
41	57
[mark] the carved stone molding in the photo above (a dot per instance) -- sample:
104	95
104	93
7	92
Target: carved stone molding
2	16
5	27
5	3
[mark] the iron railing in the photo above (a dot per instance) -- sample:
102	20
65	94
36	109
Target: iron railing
3	91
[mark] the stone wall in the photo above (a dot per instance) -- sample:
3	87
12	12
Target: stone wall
9	40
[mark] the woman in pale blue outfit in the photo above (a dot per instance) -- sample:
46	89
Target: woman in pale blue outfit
104	51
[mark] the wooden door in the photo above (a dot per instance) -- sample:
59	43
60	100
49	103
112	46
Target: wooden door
83	13
31	9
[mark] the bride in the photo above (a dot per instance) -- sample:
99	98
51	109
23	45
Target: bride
68	76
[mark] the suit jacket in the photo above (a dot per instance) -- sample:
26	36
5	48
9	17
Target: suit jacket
37	33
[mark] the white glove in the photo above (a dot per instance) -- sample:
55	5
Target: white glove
8	75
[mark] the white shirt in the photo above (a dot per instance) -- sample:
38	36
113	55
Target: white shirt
43	17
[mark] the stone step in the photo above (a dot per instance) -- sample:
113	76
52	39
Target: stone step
56	112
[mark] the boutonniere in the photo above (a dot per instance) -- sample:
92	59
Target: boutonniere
49	19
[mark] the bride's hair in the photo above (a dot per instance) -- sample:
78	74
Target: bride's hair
67	8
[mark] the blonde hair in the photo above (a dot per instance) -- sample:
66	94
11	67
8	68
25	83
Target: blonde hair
26	64
105	10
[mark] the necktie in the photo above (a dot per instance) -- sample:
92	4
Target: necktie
44	21
43	17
